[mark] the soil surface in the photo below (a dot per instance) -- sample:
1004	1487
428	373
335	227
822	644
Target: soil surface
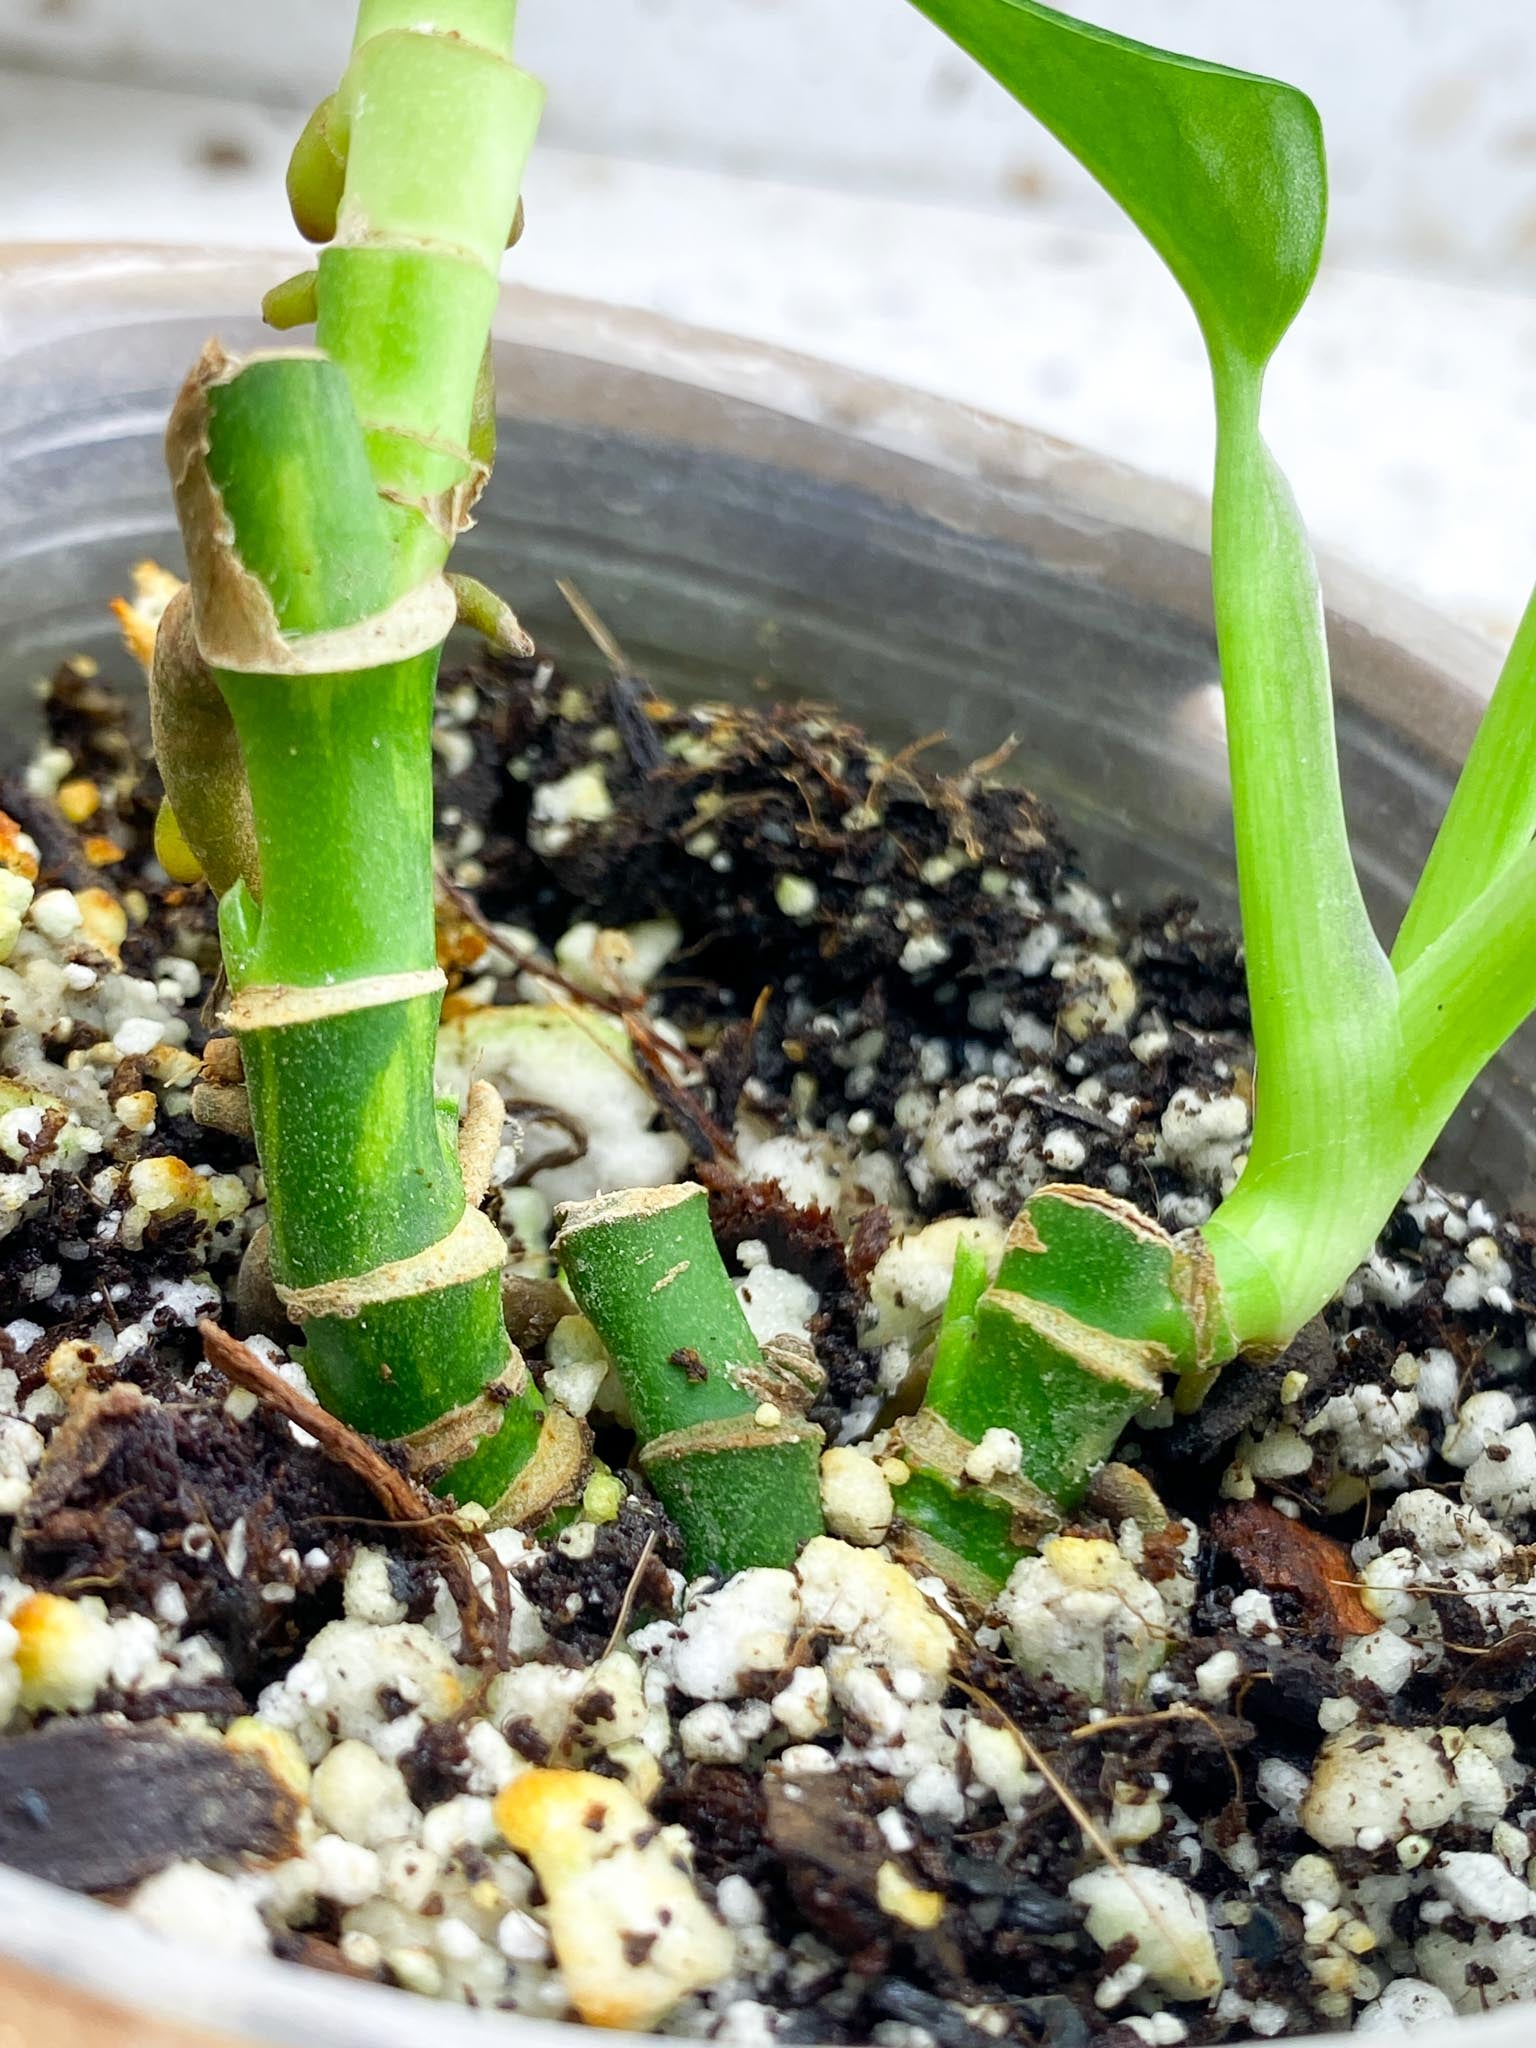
1254	1760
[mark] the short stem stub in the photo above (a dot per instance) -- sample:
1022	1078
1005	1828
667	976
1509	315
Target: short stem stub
722	1428
1093	1304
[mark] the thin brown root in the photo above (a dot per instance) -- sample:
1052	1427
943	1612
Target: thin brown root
1180	1711
1088	1826
577	1137
405	1505
589	622
1091	1831
899	766
627	1604
989	764
615	1637
705	1138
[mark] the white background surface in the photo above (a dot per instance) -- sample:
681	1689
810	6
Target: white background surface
833	175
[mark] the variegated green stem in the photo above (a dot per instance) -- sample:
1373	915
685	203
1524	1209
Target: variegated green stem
433	124
1092	1305
319	493
336	990
723	1436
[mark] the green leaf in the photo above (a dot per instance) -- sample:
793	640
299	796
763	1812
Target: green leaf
1223	172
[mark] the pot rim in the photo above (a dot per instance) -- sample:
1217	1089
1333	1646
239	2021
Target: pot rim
1008	456
110	1957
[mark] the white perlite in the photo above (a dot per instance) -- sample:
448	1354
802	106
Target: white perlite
1406	2002
1481	1887
856	1496
1162	1917
1078	1612
1502	1478
1374	1784
195	1906
1491	1969
334	1691
361	1797
745	1626
999	1455
630	1929
775	1302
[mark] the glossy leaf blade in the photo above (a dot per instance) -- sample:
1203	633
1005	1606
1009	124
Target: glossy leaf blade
1222	171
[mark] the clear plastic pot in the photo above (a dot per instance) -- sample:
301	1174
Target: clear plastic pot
740	518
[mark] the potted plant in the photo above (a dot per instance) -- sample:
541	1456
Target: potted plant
811	1635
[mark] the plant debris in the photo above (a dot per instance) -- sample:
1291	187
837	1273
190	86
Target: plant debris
133	1495
1284	1556
97	1807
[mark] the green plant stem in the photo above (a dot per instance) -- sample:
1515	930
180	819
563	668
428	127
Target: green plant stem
319	496
722	1439
1469	991
418	249
1321	990
1313	958
1359	1061
360	1170
957	1325
1492	812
